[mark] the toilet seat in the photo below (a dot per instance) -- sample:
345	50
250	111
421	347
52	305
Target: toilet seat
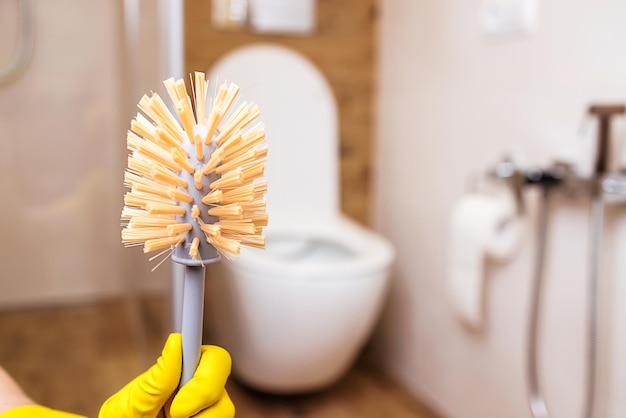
300	113
336	249
307	237
295	315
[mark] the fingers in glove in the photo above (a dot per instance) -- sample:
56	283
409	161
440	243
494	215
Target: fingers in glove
223	408
207	385
161	380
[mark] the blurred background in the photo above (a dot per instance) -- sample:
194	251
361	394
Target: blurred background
430	94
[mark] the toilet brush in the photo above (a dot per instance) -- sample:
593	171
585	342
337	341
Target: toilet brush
196	188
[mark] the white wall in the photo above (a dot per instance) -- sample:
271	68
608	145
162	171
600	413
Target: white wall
451	102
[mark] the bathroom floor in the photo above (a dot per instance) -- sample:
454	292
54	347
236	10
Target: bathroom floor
74	358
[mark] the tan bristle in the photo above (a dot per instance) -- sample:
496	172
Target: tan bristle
236	122
212	198
223	101
151	151
197	180
241	160
232	144
213	121
184	109
252	115
242	117
131	179
142	234
193	250
233	91
225	245
166	138
171	126
151	222
211	229
159	243
182	160
230	126
140	200
260	219
214	161
164	209
154	191
239	194
253	171
178	94
258	205
144	184
199	150
139	196
195	212
177	229
170	86
166	176
257	241
158	111
186	117
142	127
158	190
171	152
227	211
260	188
131	212
261	153
140	165
255	135
233	178
200	98
238	227
179	195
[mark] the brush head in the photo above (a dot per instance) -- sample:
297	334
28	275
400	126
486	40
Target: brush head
206	253
196	188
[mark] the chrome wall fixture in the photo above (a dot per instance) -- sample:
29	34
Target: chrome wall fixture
598	187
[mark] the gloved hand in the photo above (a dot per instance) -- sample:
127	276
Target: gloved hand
38	411
153	394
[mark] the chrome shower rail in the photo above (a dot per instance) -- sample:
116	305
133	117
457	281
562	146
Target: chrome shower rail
24	48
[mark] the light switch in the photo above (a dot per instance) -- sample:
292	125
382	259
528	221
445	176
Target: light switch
507	18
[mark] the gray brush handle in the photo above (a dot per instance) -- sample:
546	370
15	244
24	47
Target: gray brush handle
177	284
193	312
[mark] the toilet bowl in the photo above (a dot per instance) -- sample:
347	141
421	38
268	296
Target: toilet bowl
295	315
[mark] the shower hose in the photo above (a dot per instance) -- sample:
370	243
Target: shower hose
535	397
25	45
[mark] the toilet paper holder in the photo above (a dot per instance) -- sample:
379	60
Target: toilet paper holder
504	173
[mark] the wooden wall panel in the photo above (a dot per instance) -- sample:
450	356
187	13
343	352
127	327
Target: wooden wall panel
343	47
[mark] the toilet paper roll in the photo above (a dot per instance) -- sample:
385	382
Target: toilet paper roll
481	226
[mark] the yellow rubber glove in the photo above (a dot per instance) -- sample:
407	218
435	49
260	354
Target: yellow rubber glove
152	394
36	411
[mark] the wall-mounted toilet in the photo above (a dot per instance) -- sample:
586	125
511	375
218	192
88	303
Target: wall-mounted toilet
296	315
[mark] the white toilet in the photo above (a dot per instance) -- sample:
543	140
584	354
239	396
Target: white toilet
296	315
